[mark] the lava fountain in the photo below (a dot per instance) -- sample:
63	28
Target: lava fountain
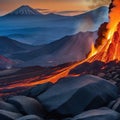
107	45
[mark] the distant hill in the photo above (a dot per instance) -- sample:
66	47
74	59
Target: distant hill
9	46
67	49
38	29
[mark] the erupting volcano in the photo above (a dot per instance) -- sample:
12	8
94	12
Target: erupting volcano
105	49
107	45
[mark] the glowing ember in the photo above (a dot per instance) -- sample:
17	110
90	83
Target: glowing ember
93	51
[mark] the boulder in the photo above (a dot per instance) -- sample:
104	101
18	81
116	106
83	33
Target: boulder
110	105
101	74
73	95
30	117
35	91
98	114
7	115
27	105
115	105
7	106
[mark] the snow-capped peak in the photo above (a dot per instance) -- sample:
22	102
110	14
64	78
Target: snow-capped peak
25	10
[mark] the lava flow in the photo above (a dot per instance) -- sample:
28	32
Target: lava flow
106	49
107	45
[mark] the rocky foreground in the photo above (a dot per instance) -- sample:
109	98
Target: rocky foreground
84	97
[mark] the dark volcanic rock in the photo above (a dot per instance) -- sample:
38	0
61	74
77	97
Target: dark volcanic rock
27	105
30	117
73	95
6	106
98	114
7	115
35	91
88	67
115	105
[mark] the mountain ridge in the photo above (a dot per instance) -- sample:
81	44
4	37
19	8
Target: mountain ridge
68	48
39	30
8	46
28	10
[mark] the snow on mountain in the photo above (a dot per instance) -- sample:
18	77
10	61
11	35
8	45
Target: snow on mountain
24	10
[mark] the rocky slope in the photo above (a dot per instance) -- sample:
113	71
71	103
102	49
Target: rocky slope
71	98
67	49
10	46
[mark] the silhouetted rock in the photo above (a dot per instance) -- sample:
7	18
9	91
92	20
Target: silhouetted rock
7	106
73	95
98	114
7	115
30	117
27	105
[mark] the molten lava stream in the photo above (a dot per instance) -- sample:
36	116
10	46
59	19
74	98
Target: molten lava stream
30	82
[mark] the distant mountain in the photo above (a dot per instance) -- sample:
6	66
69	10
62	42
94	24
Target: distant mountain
67	49
9	46
24	10
89	21
43	29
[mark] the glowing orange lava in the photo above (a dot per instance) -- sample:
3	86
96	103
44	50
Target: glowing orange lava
109	48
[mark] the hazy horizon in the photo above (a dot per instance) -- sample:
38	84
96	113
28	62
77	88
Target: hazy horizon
61	7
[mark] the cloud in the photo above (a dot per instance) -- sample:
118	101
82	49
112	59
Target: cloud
44	11
40	9
71	12
67	12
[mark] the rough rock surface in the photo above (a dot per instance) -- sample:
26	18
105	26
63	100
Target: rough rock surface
6	106
35	91
115	105
27	105
7	115
30	117
85	92
98	114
